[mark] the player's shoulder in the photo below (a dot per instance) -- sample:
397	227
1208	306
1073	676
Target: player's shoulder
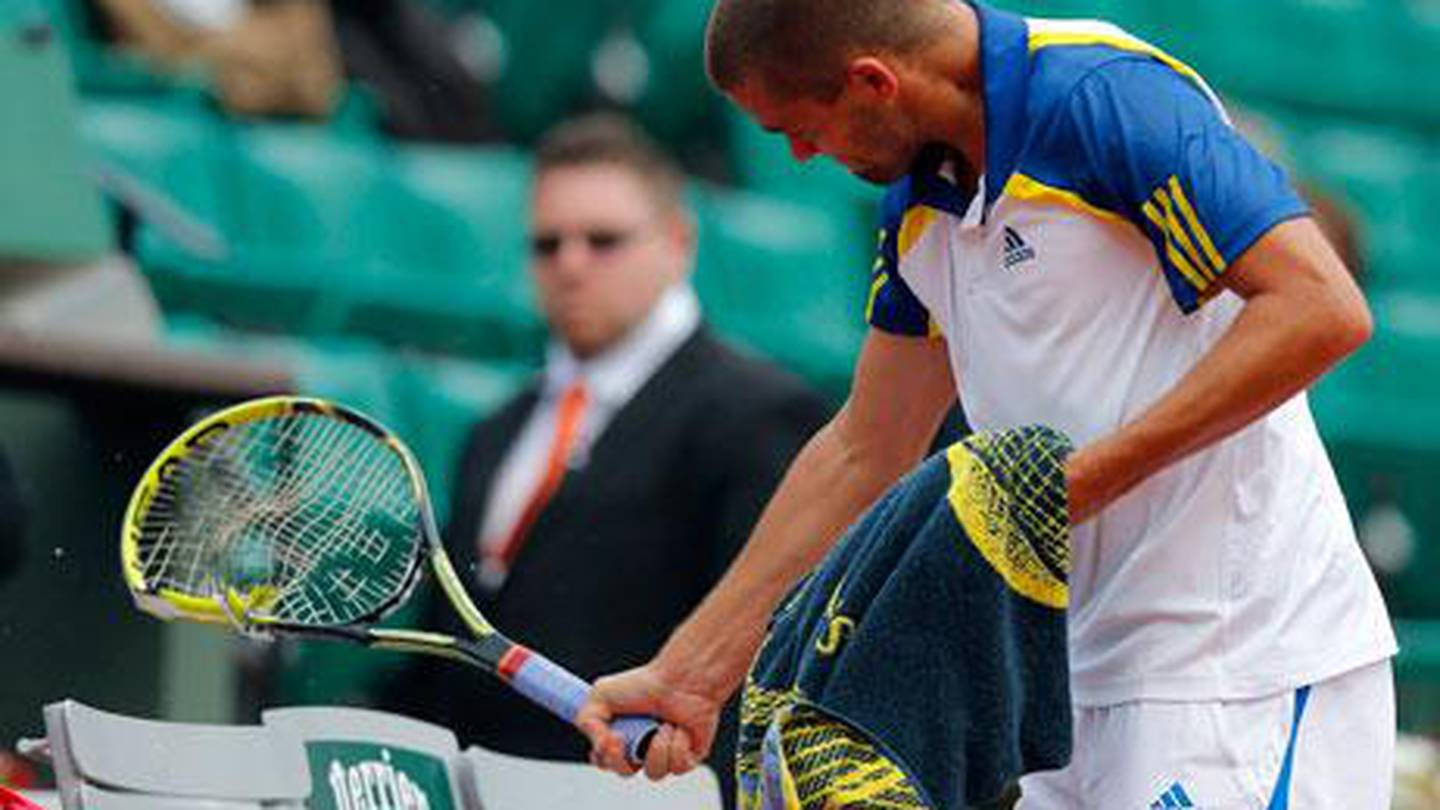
1076	56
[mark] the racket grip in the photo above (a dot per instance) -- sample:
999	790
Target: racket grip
563	693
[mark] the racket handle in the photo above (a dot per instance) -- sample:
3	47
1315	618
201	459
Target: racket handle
563	693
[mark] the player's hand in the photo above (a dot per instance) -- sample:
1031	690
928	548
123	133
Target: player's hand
688	720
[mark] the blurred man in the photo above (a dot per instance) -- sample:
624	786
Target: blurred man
1074	235
597	507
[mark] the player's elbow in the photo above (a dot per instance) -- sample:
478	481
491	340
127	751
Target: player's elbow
1354	323
1360	326
1346	327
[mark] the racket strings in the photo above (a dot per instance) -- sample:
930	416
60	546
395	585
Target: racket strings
334	596
208	496
316	514
331	504
179	506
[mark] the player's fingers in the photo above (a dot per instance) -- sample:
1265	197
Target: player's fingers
683	757
613	758
593	720
603	741
689	757
594	724
657	760
607	749
671	753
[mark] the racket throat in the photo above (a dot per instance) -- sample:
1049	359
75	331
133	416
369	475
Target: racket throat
495	653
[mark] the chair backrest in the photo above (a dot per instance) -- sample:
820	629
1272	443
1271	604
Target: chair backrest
359	758
503	782
106	761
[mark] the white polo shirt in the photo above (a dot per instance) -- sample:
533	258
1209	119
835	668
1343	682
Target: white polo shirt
1076	287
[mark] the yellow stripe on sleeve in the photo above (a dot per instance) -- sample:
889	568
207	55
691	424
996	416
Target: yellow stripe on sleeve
876	286
1217	261
1196	278
1177	233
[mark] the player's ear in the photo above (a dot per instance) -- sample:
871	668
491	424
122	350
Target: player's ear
870	75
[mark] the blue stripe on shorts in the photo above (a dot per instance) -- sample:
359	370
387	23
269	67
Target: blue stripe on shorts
1280	799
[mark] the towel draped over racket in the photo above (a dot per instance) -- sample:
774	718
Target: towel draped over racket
923	663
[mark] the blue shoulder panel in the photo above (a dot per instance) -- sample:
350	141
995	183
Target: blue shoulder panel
1131	135
892	306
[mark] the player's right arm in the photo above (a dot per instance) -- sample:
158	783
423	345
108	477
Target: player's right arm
901	391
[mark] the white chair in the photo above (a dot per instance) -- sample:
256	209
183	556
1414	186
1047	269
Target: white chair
354	754
106	761
503	782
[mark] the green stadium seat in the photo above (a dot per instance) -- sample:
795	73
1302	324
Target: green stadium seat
1121	12
53	211
1377	415
293	197
677	106
1356	59
169	147
1382	173
444	268
546	73
784	279
300	186
487	189
1414	54
265	290
1417	676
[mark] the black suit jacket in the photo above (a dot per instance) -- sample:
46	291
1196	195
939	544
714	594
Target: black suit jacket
626	547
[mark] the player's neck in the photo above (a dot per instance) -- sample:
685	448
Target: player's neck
950	101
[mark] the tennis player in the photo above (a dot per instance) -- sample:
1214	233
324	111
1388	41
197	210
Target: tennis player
1075	235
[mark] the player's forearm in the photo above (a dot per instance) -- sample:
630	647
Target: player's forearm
1277	346
830	483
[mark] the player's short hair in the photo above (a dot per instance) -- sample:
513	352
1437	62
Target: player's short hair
799	48
606	138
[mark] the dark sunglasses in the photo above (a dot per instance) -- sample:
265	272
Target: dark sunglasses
546	244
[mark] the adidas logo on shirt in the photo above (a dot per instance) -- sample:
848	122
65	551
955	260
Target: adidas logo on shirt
1174	796
1016	250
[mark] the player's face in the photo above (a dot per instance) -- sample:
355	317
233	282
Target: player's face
601	252
873	140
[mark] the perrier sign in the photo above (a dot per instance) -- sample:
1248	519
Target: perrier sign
366	776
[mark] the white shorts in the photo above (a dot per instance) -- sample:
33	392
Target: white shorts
1328	745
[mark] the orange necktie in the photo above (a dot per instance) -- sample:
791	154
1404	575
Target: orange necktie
567	429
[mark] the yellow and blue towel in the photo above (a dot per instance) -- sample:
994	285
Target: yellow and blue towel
923	663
